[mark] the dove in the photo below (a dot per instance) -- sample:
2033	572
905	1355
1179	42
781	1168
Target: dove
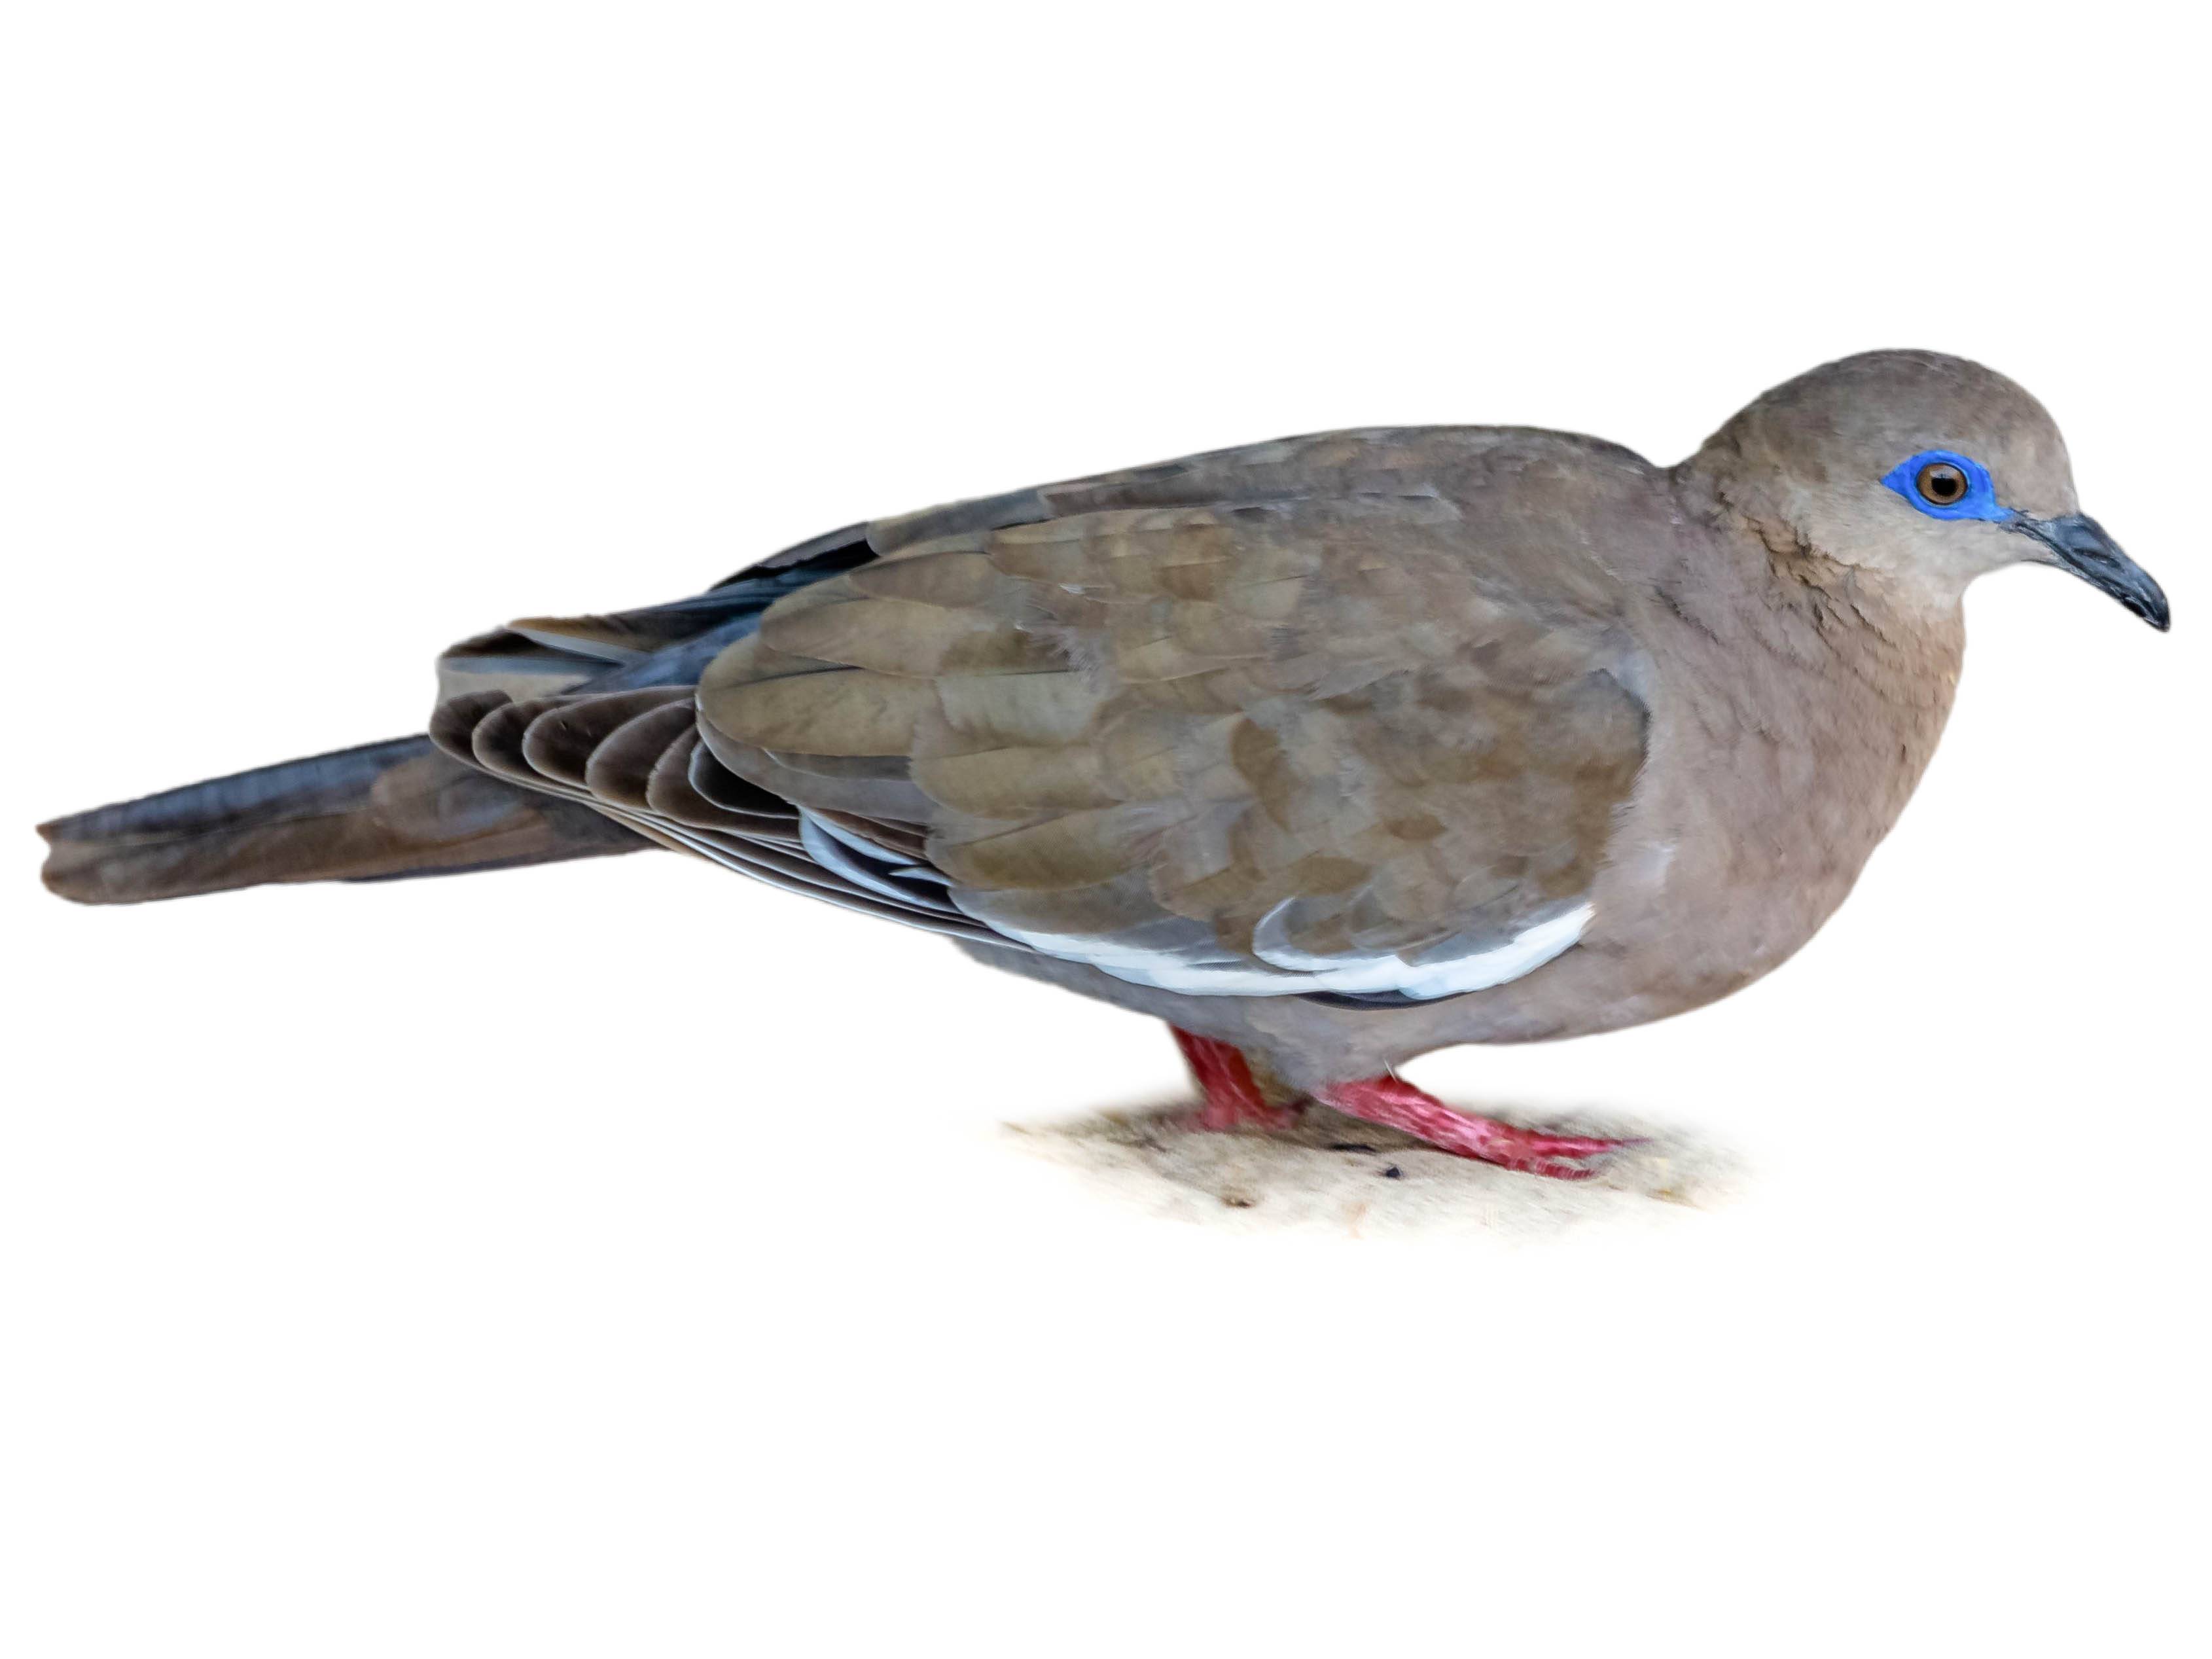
1328	752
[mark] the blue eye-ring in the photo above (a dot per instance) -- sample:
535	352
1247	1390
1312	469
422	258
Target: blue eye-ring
1945	484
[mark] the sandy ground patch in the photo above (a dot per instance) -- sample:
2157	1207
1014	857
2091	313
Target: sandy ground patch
1332	1174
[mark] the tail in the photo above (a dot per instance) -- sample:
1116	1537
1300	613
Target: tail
383	811
402	808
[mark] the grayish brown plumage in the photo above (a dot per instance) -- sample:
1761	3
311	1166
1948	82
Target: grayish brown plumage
1338	748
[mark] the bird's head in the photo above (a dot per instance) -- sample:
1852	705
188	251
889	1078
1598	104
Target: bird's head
1927	469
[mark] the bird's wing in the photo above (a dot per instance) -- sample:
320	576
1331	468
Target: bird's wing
659	645
1290	731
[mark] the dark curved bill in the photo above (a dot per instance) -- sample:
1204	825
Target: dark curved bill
2079	544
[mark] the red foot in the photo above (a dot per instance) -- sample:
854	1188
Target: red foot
1399	1105
1224	1076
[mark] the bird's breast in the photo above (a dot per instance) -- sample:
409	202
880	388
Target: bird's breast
1782	750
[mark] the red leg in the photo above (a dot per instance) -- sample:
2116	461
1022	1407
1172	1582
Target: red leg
1399	1105
1233	1096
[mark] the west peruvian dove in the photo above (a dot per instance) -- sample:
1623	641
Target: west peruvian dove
1328	752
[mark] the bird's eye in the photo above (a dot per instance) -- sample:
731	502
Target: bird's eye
1941	484
1945	484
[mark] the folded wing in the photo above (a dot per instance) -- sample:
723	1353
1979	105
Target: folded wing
1277	722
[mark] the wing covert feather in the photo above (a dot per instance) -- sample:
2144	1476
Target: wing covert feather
1351	713
1317	731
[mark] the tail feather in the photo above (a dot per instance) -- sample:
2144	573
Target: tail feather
378	812
402	808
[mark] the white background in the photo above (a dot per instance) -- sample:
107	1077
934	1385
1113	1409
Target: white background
623	1260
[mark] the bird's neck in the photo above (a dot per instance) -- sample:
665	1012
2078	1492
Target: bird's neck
1906	635
1839	678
